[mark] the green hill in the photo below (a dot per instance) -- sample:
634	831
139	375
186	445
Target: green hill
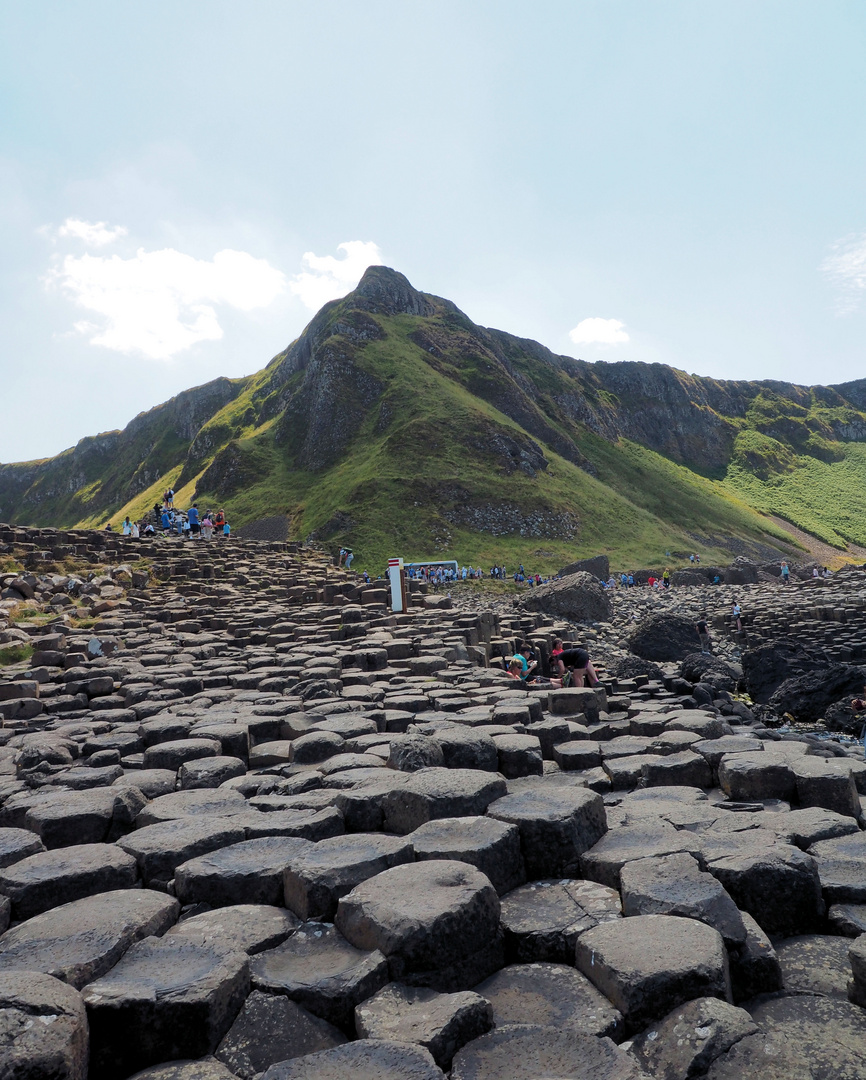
396	425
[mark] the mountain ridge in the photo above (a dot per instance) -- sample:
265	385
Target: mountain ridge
395	422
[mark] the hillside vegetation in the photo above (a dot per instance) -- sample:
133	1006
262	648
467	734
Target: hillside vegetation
395	425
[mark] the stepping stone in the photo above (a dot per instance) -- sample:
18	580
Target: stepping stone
626	773
759	776
43	1028
441	1023
209	772
17	844
803	828
828	783
81	941
168	998
701	723
556	827
320	970
815	964
184	804
361	805
150	782
412	751
439	793
437	922
543	920
312	825
688	1040
842	868
828	1035
269	1029
529	1051
778	887
367	1059
247	873
205	1069
649	964
84	817
250	927
552	995
605	860
848	920
754	965
764	1056
686	768
463	749
675	885
577	754
518	755
320	875
491	846
51	878
160	849
316	746
171	755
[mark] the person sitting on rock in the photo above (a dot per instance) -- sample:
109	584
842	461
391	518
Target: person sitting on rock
515	668
526	666
577	663
556	652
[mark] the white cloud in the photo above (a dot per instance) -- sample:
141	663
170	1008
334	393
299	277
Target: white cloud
159	303
93	233
597	331
328	278
845	269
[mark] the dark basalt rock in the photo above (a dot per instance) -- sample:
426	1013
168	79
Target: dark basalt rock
663	637
807	696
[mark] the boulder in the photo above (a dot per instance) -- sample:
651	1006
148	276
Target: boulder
578	597
807	696
598	567
766	667
663	636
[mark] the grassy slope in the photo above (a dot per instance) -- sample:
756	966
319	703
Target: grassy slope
397	481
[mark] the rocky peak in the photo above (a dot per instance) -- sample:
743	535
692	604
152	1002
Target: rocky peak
384	291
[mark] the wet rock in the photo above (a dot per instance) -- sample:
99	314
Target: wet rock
441	1023
428	918
168	998
552	995
81	941
269	1029
647	965
43	1028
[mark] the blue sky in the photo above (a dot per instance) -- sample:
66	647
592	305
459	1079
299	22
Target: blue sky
677	181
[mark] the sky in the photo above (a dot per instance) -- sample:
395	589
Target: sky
184	183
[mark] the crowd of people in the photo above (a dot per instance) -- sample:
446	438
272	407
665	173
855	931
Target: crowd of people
169	520
568	667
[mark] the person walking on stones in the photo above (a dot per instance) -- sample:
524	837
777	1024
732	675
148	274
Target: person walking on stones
786	573
194	520
666	578
704	634
349	556
737	612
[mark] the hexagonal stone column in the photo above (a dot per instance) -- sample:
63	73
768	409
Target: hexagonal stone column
43	1028
50	878
168	998
649	964
437	922
366	1059
250	872
557	826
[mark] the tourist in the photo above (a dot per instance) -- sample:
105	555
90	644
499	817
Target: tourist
816	573
786	573
555	654
219	521
350	555
227	530
134	531
737	612
165	521
666	578
207	525
515	668
704	633
526	666
194	520
578	664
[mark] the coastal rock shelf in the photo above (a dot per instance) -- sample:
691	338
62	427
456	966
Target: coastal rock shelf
253	824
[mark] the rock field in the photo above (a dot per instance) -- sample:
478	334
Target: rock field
253	824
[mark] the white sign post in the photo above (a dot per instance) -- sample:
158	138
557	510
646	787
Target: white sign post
395	576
